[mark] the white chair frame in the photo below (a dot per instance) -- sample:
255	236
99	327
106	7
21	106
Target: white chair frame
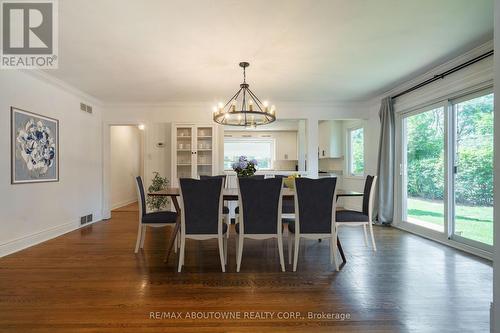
141	232
242	235
370	218
332	236
219	236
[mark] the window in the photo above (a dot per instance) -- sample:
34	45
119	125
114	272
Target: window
260	149
447	169
356	159
423	158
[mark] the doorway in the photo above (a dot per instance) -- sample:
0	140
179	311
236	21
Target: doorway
126	163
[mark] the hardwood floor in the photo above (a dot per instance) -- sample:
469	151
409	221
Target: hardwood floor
90	281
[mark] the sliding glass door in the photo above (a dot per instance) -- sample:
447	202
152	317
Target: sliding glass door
473	169
423	161
447	169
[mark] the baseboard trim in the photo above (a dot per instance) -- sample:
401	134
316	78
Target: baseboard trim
27	241
123	203
456	245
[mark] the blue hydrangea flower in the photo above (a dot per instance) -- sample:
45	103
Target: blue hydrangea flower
254	162
243	158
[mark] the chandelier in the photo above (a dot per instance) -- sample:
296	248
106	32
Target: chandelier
244	108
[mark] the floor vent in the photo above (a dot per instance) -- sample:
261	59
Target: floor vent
86	219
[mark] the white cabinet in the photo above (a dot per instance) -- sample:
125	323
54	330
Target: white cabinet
330	139
286	146
194	150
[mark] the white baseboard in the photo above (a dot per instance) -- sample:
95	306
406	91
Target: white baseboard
24	242
459	246
123	203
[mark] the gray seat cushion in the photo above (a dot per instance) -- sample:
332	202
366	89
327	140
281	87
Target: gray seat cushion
159	217
351	216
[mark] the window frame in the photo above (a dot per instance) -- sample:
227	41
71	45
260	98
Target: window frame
272	141
447	237
349	151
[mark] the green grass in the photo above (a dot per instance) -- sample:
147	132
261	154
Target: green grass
473	222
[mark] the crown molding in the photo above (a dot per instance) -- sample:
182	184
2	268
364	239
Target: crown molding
47	78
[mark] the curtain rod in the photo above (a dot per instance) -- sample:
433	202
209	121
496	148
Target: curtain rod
446	73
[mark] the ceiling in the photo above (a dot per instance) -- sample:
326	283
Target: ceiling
308	51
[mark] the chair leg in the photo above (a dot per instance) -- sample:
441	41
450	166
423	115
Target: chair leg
296	252
221	252
225	250
239	253
181	254
333	247
290	242
176	243
139	237
366	235
373	238
280	251
331	253
143	236
228	223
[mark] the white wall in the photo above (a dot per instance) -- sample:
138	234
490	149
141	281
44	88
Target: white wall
31	213
495	314
125	164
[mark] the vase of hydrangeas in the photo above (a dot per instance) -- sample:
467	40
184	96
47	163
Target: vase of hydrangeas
245	167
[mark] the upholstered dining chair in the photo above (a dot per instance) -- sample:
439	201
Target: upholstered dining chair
153	219
202	215
315	217
351	218
237	209
260	218
225	209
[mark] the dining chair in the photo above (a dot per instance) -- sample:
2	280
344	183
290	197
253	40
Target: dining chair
260	218
225	209
202	215
237	209
152	219
352	218
315	217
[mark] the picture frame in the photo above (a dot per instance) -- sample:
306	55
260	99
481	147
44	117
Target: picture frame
34	147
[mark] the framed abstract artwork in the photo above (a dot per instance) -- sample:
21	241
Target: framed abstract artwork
34	147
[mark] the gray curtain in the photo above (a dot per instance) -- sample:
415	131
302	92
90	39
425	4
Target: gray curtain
386	156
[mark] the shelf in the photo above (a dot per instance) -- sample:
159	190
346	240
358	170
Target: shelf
183	137
205	137
183	149
200	164
204	149
183	164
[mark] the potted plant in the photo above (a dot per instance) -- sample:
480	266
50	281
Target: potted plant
158	183
245	167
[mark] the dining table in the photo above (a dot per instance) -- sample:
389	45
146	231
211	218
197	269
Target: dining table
232	194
